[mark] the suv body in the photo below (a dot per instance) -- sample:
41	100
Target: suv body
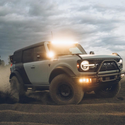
71	67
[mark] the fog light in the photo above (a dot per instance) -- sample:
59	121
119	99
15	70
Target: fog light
90	80
80	80
85	80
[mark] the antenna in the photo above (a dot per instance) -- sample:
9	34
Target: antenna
52	34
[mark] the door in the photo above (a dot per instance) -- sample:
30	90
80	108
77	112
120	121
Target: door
36	66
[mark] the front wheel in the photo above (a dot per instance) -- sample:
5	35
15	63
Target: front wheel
109	91
64	91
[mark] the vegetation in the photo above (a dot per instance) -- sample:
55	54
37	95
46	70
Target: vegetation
2	63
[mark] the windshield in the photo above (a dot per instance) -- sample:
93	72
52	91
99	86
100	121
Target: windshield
66	50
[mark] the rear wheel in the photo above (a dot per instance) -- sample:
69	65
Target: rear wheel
16	89
64	91
109	91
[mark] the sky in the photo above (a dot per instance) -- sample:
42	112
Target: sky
98	25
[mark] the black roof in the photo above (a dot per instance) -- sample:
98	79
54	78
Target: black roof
31	46
17	56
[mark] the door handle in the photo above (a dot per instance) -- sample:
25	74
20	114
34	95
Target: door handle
33	67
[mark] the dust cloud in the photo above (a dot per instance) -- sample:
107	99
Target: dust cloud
4	79
124	66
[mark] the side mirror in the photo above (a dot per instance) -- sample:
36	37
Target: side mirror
91	52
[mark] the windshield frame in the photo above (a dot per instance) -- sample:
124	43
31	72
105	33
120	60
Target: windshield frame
70	53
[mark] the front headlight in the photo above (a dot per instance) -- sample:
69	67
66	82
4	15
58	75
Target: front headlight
120	63
84	65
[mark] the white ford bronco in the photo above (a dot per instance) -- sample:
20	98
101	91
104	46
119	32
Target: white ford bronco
66	70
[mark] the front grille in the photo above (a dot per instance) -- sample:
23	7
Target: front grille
108	66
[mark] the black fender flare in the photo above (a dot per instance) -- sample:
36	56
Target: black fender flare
60	70
16	73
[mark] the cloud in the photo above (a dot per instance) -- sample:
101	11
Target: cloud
94	25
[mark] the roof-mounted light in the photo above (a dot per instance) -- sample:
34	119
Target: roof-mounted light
63	42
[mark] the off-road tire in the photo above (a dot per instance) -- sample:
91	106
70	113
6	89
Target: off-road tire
109	91
16	89
62	83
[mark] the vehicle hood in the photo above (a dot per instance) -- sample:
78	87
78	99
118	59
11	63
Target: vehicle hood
85	56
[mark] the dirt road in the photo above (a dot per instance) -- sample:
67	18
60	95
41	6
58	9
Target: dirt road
38	108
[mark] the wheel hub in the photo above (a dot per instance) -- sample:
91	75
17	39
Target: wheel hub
65	91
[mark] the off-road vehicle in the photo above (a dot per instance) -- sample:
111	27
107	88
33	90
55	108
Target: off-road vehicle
66	70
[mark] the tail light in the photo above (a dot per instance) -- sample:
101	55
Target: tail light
11	64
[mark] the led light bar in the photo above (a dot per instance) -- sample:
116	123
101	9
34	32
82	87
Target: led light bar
63	42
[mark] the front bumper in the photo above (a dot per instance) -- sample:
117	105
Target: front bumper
90	82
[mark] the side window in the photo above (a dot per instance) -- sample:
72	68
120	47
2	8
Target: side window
28	55
39	53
